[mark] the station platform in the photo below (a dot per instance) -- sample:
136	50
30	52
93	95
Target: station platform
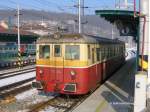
115	95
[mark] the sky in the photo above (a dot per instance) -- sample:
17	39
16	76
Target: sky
59	5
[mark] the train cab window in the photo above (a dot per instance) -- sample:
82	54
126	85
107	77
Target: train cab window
57	50
44	51
72	52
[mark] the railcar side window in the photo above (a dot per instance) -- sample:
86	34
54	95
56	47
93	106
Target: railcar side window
89	53
44	51
107	52
98	54
113	50
93	58
102	53
104	48
57	50
72	52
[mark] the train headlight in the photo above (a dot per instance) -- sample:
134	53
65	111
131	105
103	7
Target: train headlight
41	71
72	73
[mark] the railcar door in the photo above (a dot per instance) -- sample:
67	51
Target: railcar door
58	62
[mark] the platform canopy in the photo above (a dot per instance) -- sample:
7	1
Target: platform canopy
125	21
11	35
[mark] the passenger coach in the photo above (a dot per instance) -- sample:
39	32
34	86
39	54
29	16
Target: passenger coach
75	63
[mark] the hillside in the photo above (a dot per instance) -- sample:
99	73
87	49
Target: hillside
95	25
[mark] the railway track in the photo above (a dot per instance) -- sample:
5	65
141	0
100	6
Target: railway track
13	85
14	88
7	96
12	70
60	103
15	73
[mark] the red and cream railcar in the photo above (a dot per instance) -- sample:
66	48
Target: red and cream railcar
75	63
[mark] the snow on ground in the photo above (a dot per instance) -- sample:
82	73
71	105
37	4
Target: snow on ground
49	109
27	99
26	94
33	96
36	98
18	78
26	110
130	53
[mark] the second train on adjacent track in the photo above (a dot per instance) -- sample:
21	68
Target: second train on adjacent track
76	63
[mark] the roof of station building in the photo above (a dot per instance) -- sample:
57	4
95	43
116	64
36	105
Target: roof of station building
125	17
11	35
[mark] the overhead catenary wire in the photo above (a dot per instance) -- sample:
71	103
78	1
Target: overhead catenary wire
30	6
41	5
21	6
6	7
48	4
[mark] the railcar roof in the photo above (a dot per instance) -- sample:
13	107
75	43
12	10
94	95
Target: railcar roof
75	38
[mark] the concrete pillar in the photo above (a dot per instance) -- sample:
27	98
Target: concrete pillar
144	29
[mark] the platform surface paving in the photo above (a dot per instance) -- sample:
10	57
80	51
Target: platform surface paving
115	95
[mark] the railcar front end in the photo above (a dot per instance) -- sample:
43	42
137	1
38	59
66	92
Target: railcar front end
62	68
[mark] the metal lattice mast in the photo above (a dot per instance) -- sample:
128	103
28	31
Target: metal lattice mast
80	30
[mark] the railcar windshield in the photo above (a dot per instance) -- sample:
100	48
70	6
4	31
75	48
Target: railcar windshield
72	52
44	51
